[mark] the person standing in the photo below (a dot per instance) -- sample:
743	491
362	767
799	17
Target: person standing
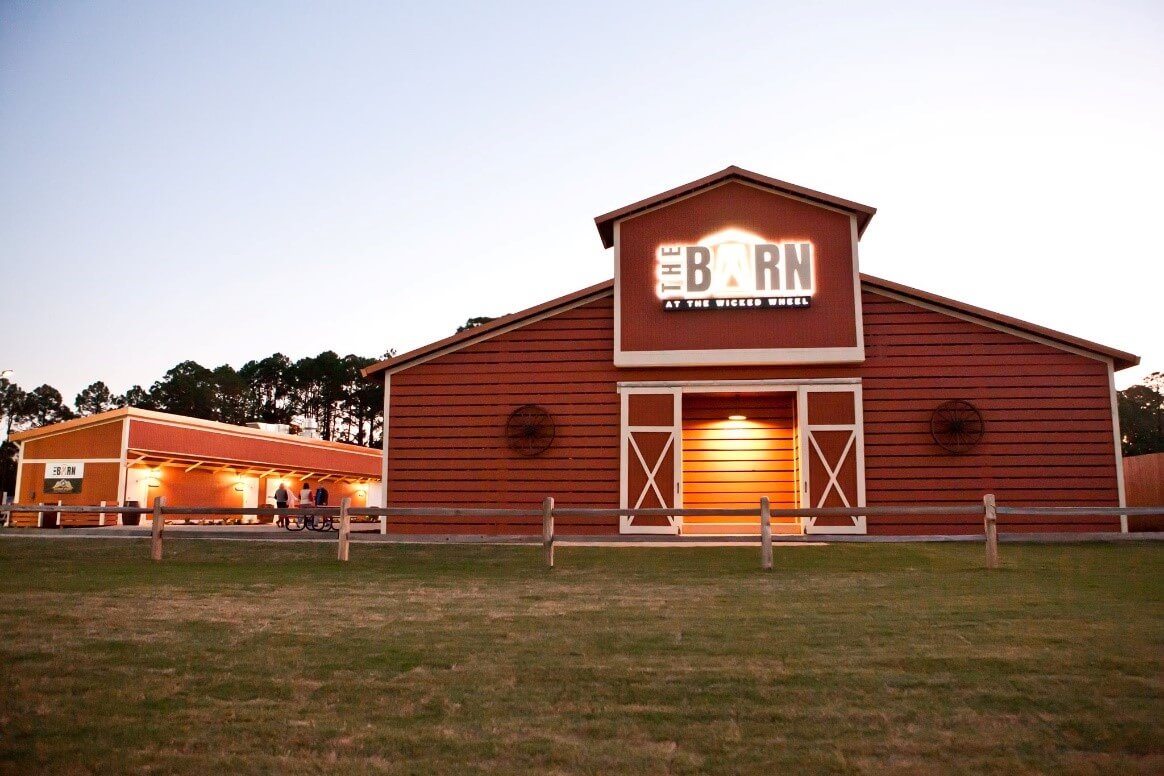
305	496
321	496
281	499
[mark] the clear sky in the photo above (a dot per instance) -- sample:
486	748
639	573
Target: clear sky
220	181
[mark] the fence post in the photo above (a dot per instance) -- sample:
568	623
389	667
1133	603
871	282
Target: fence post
765	534
7	516
159	522
548	529
40	515
101	517
383	524
345	528
991	526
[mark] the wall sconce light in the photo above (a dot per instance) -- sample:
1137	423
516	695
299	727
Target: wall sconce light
238	483
361	493
154	478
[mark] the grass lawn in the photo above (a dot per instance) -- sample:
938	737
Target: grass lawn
241	657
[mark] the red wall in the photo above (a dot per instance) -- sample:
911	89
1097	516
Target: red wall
1048	415
829	322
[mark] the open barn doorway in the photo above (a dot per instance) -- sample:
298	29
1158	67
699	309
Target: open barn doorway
738	447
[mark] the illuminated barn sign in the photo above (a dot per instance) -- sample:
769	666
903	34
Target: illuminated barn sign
734	269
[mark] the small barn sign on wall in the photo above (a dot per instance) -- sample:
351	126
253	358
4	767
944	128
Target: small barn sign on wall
63	477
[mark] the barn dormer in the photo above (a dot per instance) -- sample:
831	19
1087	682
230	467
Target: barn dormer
736	269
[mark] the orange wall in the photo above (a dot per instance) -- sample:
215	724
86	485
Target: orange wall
206	488
289	452
102	441
99	484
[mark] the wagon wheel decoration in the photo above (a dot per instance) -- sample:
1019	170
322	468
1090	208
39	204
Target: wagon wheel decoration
957	426
529	430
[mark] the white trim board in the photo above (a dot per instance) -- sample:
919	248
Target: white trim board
71	458
1117	443
19	472
123	468
384	444
741	386
739	357
72	429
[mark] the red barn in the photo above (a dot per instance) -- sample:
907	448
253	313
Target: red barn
738	353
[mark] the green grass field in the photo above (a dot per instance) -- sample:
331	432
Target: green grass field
242	657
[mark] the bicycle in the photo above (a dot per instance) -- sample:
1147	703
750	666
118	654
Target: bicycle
318	523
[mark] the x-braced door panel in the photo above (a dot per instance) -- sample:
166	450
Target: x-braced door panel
832	455
650	456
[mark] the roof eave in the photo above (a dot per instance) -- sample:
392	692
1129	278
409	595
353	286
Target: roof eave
605	223
1120	359
376	371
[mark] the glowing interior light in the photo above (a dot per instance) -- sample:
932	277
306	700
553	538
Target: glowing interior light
737	417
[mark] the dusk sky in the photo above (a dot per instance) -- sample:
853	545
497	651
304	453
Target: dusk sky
220	181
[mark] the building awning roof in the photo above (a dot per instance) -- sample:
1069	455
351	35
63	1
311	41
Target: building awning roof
605	223
188	462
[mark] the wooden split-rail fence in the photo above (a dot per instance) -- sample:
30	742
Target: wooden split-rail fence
344	513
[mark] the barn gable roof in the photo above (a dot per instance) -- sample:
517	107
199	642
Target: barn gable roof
1119	358
605	223
486	330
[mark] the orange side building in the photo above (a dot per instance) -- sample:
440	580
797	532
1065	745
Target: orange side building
130	456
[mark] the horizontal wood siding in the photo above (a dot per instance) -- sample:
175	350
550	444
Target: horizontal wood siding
731	464
1048	439
447	419
1048	434
1144	484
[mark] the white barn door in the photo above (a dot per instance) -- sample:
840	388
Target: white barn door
832	455
650	463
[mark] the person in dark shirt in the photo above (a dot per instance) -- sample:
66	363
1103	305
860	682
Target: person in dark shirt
321	496
281	499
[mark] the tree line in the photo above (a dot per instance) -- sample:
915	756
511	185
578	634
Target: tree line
1141	409
326	390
